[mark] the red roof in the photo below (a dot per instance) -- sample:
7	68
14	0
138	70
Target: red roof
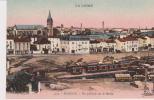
151	36
102	40
127	39
94	41
22	39
110	41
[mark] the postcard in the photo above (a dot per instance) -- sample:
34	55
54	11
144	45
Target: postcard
79	49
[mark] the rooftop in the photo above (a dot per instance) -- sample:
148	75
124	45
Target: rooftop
149	33
42	40
22	39
28	27
74	38
127	39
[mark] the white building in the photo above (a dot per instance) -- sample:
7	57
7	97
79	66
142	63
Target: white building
22	45
127	44
10	45
102	45
95	46
55	45
75	45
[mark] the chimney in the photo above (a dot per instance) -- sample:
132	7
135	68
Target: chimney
103	27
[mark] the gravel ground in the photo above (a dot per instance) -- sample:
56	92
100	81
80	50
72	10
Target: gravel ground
97	88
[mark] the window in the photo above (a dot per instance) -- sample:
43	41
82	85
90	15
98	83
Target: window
19	46
27	46
10	45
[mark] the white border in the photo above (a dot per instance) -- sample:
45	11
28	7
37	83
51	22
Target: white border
3	18
2	48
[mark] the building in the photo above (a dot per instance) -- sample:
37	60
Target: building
27	30
108	45
55	45
127	44
22	45
41	46
50	25
142	43
95	46
75	45
150	41
10	45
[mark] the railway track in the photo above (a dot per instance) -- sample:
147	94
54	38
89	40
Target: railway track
91	74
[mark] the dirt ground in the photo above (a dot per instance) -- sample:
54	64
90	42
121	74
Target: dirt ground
96	89
62	59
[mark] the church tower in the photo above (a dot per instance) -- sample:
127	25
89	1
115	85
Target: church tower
50	25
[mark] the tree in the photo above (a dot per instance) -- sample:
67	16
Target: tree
18	81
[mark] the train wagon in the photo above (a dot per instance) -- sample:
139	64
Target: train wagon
124	64
91	68
102	67
151	77
76	70
123	77
138	77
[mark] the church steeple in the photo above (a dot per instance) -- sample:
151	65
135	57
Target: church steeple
49	16
50	24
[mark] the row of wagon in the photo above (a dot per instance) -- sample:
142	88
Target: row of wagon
93	68
128	77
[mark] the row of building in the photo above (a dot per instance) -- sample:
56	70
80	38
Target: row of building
76	44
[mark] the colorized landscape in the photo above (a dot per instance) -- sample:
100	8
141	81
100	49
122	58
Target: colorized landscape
80	49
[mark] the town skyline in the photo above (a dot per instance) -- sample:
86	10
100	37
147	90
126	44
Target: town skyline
120	14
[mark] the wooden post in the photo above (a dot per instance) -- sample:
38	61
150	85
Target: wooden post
39	86
30	87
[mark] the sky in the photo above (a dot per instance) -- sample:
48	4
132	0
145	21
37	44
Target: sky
114	13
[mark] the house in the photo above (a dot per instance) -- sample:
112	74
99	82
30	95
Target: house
142	43
55	45
33	39
22	45
150	41
127	44
41	46
108	45
95	46
10	44
75	44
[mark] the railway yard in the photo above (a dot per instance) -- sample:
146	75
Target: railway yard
102	75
